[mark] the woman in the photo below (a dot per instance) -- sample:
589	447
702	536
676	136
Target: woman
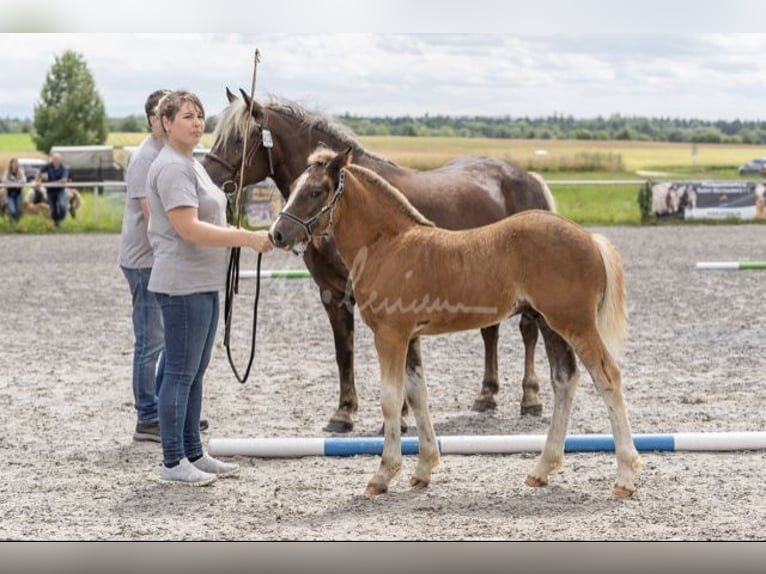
13	181
187	230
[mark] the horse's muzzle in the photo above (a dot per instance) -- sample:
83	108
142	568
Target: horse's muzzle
280	237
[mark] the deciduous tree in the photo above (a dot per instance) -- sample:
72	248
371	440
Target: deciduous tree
70	110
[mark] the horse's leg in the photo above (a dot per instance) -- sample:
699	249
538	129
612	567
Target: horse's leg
417	397
530	401
608	380
392	353
489	385
341	315
331	276
405	407
564	378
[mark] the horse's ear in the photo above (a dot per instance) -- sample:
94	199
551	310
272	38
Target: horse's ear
257	111
347	156
245	97
229	96
337	163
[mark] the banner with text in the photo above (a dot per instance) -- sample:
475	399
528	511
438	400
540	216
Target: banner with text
708	200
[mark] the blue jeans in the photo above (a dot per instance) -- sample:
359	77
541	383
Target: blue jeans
190	327
14	202
58	202
147	349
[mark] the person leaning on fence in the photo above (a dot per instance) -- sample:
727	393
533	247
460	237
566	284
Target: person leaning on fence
188	231
13	184
53	172
135	260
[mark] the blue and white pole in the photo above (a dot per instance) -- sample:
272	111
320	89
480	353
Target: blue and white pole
491	444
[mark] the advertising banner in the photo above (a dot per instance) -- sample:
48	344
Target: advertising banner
708	200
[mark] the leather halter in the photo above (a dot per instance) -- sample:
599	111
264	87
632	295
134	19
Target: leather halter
329	206
264	140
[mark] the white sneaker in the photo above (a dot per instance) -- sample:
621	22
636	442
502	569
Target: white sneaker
214	466
186	473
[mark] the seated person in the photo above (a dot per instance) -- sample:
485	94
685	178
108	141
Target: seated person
36	200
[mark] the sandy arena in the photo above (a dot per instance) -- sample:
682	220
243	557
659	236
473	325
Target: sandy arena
695	361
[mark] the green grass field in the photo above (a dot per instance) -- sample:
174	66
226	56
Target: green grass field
556	160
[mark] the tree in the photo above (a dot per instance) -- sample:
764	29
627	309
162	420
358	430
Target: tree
131	124
70	111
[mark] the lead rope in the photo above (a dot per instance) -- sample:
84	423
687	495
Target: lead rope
232	274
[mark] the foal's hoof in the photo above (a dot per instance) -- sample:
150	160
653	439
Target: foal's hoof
338	426
532	410
374	490
484	404
535	482
622	491
416	482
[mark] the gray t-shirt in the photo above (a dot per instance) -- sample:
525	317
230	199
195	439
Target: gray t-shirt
180	267
135	250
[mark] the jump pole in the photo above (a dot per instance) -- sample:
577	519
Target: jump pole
736	265
477	444
276	274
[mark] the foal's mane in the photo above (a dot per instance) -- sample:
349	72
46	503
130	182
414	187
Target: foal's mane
323	156
235	120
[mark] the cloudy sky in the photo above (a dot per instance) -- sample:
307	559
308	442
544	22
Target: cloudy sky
405	57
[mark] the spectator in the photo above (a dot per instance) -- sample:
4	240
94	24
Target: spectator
56	172
36	201
187	231
13	182
136	260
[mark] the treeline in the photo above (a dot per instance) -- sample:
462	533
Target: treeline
614	127
129	124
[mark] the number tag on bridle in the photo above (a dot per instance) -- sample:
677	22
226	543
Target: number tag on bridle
267	141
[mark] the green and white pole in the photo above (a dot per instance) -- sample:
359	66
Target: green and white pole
735	265
276	274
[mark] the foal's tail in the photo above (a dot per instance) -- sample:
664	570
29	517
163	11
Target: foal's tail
613	312
546	190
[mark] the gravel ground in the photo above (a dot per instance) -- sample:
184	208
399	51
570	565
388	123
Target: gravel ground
695	361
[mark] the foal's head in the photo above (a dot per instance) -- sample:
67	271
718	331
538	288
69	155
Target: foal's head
312	199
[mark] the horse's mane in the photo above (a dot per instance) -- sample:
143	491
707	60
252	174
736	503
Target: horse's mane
323	155
235	120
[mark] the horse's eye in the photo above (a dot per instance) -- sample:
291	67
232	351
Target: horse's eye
315	193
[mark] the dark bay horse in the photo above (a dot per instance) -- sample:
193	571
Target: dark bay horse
465	193
411	279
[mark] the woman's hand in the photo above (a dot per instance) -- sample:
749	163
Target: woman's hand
260	241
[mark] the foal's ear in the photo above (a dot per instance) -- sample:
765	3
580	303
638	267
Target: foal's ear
229	96
347	156
337	163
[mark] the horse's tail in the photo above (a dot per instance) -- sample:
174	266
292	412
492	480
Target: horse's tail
546	190
612	313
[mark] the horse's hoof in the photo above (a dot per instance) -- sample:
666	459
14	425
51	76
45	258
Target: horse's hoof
622	491
535	482
532	410
419	482
337	426
484	405
374	490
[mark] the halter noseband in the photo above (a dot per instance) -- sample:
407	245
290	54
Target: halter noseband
329	206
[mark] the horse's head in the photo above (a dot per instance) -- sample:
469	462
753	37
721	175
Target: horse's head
309	209
239	132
